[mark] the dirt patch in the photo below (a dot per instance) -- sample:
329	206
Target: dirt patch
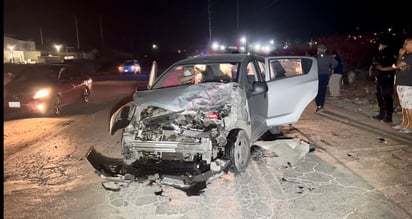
359	86
360	97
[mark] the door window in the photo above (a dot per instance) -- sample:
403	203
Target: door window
262	69
251	72
288	67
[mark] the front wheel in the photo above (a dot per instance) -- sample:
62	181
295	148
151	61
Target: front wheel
238	150
85	95
56	106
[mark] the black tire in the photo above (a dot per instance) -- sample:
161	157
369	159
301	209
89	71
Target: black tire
85	95
56	106
238	150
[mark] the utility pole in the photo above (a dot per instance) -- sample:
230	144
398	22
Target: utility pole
101	31
237	30
237	5
41	38
77	33
210	23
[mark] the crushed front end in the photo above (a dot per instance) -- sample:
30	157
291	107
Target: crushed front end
183	140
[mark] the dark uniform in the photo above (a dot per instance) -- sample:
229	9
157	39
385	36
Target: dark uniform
384	84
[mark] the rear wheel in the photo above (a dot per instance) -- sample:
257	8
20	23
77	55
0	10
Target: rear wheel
85	95
238	150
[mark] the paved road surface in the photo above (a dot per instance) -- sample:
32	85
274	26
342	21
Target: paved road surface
351	174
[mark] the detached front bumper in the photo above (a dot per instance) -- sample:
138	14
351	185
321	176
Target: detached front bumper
172	173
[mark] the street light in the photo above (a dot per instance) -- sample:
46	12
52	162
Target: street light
57	47
11	48
215	46
155	50
243	44
243	40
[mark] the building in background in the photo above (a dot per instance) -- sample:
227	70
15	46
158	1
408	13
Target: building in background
19	51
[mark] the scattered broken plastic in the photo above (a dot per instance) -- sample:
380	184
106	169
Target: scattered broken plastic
289	151
116	183
382	140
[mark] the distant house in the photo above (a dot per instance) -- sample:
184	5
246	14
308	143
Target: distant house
25	52
19	51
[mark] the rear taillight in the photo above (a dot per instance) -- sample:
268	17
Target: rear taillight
120	68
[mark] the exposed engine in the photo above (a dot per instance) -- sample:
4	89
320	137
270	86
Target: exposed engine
186	135
158	124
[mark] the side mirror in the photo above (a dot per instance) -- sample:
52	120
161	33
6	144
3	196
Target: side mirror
152	75
121	118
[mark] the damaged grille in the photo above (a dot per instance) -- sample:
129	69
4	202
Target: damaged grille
158	124
192	126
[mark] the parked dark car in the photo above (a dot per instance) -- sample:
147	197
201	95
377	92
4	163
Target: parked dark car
203	114
130	67
46	88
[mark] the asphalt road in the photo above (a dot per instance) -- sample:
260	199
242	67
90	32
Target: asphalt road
351	174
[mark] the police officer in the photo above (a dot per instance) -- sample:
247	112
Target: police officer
384	77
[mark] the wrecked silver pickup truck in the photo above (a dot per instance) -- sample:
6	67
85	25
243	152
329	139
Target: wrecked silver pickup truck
202	115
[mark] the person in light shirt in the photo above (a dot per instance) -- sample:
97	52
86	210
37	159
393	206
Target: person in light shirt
404	85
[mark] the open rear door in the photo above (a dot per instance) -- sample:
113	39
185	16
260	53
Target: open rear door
292	84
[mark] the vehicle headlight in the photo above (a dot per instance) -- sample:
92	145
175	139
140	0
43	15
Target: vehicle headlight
41	93
88	82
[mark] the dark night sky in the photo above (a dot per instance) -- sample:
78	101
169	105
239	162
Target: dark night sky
177	24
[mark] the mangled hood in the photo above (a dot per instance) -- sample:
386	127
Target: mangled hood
203	97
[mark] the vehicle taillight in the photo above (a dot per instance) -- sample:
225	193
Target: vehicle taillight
120	68
212	115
